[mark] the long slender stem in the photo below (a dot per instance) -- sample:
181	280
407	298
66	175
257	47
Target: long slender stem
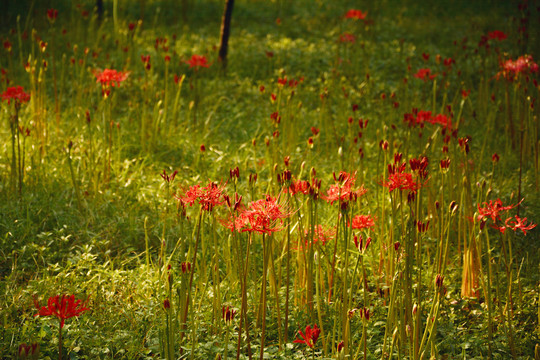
263	294
60	341
193	262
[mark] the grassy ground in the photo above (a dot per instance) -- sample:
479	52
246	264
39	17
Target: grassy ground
84	210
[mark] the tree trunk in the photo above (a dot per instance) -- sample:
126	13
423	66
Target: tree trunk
99	7
225	32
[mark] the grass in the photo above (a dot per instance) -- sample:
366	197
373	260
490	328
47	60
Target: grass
84	209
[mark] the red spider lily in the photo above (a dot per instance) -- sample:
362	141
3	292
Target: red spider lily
15	93
7	45
110	77
519	223
420	117
209	196
422	227
263	216
445	164
448	62
310	337
186	267
30	351
300	186
425	74
166	304
168	178
497	35
198	61
52	14
419	166
321	235
355	14
343	190
347	37
523	65
63	307
363	222
401	181
146	61
492	210
359	243
227	314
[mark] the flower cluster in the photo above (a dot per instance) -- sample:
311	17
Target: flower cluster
263	216
110	77
363	222
227	314
420	117
425	74
208	197
342	190
321	235
399	179
493	209
16	94
198	61
29	351
310	337
355	14
515	224
510	69
63	307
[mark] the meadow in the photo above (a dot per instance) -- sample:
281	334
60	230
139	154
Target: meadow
359	180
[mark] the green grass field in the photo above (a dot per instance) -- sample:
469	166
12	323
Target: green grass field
367	169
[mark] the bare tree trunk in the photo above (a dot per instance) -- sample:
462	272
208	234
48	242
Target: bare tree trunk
99	7
225	32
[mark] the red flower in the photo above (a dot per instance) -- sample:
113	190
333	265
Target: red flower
110	77
264	216
30	351
401	181
52	14
300	186
166	304
519	223
7	45
425	74
363	222
197	61
347	37
523	65
343	189
310	337
492	210
355	14
420	117
448	62
146	61
497	35
15	93
63	307
443	120
321	235
227	314
209	196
